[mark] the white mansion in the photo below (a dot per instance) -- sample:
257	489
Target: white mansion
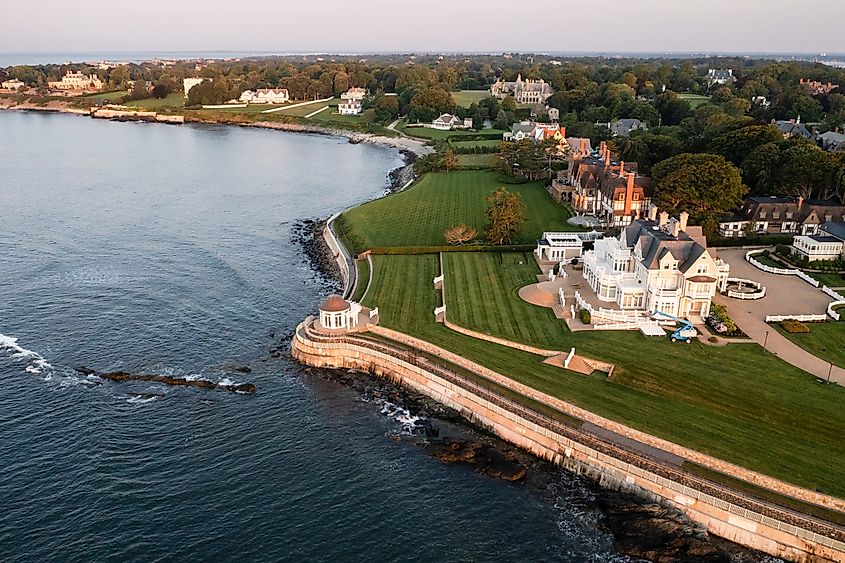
656	264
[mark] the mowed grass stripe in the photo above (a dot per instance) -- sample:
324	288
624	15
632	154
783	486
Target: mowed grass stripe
738	402
420	215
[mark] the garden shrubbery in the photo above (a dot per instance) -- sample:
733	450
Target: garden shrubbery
585	316
794	327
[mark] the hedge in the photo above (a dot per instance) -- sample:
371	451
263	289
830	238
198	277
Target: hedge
772	240
400	250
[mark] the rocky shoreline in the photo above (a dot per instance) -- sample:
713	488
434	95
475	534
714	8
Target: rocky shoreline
641	530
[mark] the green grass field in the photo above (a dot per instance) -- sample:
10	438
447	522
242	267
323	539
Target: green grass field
825	341
114	97
418	216
440	135
737	402
479	143
473	279
466	98
174	100
476	160
694	100
363	268
830	280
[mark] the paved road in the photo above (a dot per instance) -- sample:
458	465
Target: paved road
784	295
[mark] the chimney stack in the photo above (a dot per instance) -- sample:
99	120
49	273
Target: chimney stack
563	132
664	218
684	218
675	228
629	194
800	201
652	212
622	168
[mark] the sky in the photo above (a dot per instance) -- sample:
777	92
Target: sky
369	26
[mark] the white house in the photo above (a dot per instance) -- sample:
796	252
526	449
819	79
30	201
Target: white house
189	83
270	96
720	76
447	122
77	82
13	84
829	244
558	247
656	264
354	94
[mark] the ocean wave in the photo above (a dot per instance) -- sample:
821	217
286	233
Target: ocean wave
35	363
410	424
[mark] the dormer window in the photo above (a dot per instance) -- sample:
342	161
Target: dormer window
789	214
775	214
828	218
762	215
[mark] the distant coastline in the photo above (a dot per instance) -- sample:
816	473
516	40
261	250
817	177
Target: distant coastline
402	143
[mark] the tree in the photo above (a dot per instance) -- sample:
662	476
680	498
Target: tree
160	91
429	103
671	108
504	211
449	161
738	144
459	234
387	107
522	158
509	104
705	185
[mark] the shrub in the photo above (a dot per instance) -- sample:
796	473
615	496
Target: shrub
783	250
719	314
712	339
586	317
794	327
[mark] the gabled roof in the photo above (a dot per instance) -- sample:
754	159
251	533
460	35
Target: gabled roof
835	229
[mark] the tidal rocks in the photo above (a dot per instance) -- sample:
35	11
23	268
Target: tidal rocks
663	535
308	234
242	388
484	458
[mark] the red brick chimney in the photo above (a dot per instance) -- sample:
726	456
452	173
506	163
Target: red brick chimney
800	201
629	194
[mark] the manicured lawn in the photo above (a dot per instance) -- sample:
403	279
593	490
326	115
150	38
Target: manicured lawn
694	100
363	277
766	261
825	340
109	96
736	402
174	100
440	135
418	216
479	143
475	160
330	116
466	98
830	280
475	279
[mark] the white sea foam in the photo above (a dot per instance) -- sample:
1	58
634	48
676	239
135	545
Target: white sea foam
135	400
226	381
400	415
35	364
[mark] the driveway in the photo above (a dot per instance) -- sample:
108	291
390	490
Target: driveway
784	295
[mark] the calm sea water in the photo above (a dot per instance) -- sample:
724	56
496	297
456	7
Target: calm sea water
41	58
164	249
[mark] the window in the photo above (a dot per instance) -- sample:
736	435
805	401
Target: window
789	214
762	215
702	268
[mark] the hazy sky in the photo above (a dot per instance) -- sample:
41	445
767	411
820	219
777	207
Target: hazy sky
353	26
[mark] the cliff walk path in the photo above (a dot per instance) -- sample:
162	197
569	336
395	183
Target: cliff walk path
626	448
784	295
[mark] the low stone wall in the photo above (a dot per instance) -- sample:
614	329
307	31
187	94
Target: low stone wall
553	441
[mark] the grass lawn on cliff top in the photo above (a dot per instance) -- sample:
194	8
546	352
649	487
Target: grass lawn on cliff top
737	402
174	100
418	216
466	98
825	340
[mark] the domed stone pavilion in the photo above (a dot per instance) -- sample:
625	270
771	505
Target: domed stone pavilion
336	313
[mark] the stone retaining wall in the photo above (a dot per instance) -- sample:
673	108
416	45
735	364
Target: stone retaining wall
722	518
587	416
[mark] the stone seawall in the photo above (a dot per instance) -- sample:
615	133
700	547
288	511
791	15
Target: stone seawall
554	442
